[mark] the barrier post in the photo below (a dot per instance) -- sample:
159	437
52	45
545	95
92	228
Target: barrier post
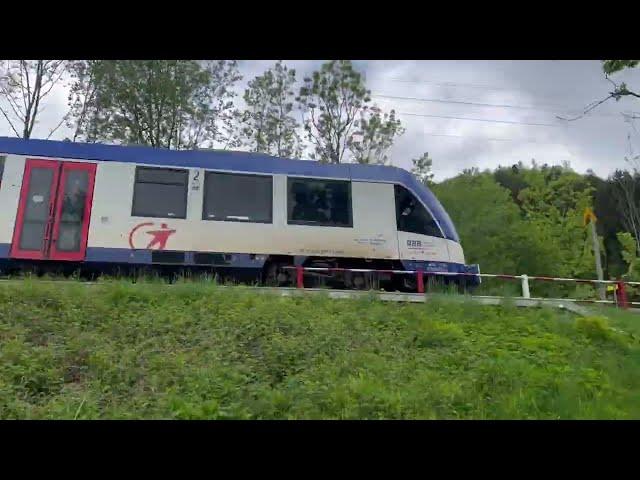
622	295
299	277
525	286
420	280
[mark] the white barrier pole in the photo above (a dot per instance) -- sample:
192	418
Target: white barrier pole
525	286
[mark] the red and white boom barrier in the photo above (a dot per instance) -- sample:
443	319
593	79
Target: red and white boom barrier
620	295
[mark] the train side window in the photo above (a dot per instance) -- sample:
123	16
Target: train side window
411	216
234	197
160	192
319	202
1	168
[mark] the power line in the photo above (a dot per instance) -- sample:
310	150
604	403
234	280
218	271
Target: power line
489	139
478	119
470	85
454	84
480	104
461	102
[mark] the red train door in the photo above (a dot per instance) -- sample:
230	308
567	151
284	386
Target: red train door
54	211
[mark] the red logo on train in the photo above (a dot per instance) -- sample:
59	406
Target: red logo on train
158	238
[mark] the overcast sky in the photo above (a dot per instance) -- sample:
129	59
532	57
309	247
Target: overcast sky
525	92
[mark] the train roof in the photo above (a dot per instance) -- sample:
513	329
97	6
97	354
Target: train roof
230	160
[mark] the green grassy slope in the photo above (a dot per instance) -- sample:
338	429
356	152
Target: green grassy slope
200	351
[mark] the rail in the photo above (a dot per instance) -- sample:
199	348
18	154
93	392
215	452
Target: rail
619	292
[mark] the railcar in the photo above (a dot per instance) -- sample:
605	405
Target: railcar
102	208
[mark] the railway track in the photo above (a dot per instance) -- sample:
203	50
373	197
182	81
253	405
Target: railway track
571	305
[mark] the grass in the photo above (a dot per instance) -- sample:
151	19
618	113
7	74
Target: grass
195	350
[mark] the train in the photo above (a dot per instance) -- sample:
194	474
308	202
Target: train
98	208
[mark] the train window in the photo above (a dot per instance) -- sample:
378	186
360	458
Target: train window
1	168
319	202
411	216
160	192
234	197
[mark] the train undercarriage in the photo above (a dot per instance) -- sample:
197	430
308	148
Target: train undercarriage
278	271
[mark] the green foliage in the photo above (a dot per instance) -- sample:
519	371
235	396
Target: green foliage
421	168
620	90
596	328
268	123
82	98
524	220
491	227
630	256
376	134
554	203
198	351
332	100
160	103
481	211
606	203
613	66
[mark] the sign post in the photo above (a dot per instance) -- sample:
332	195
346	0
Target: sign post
590	217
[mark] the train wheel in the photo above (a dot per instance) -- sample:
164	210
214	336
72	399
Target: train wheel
356	281
276	276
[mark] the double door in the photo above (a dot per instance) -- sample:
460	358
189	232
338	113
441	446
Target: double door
54	211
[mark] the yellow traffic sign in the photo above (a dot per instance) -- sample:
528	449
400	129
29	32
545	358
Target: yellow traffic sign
589	216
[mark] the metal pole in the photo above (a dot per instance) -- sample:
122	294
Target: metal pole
623	295
420	280
299	277
596	254
525	286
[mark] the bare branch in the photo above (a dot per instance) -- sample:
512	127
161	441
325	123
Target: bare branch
52	82
624	91
9	121
588	109
12	103
615	85
618	92
57	127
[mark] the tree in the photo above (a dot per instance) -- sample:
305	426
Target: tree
375	136
24	84
612	66
269	126
609	67
630	255
554	204
422	169
332	100
82	98
492	229
220	119
625	192
609	221
627	198
543	235
162	103
512	179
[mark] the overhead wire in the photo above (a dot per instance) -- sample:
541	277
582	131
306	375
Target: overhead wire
488	120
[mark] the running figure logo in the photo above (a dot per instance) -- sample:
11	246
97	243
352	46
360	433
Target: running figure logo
159	237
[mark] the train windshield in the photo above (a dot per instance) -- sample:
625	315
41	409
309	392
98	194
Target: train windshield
412	216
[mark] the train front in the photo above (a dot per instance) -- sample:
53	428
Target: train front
428	239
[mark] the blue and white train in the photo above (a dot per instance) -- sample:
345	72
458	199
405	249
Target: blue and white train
96	207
